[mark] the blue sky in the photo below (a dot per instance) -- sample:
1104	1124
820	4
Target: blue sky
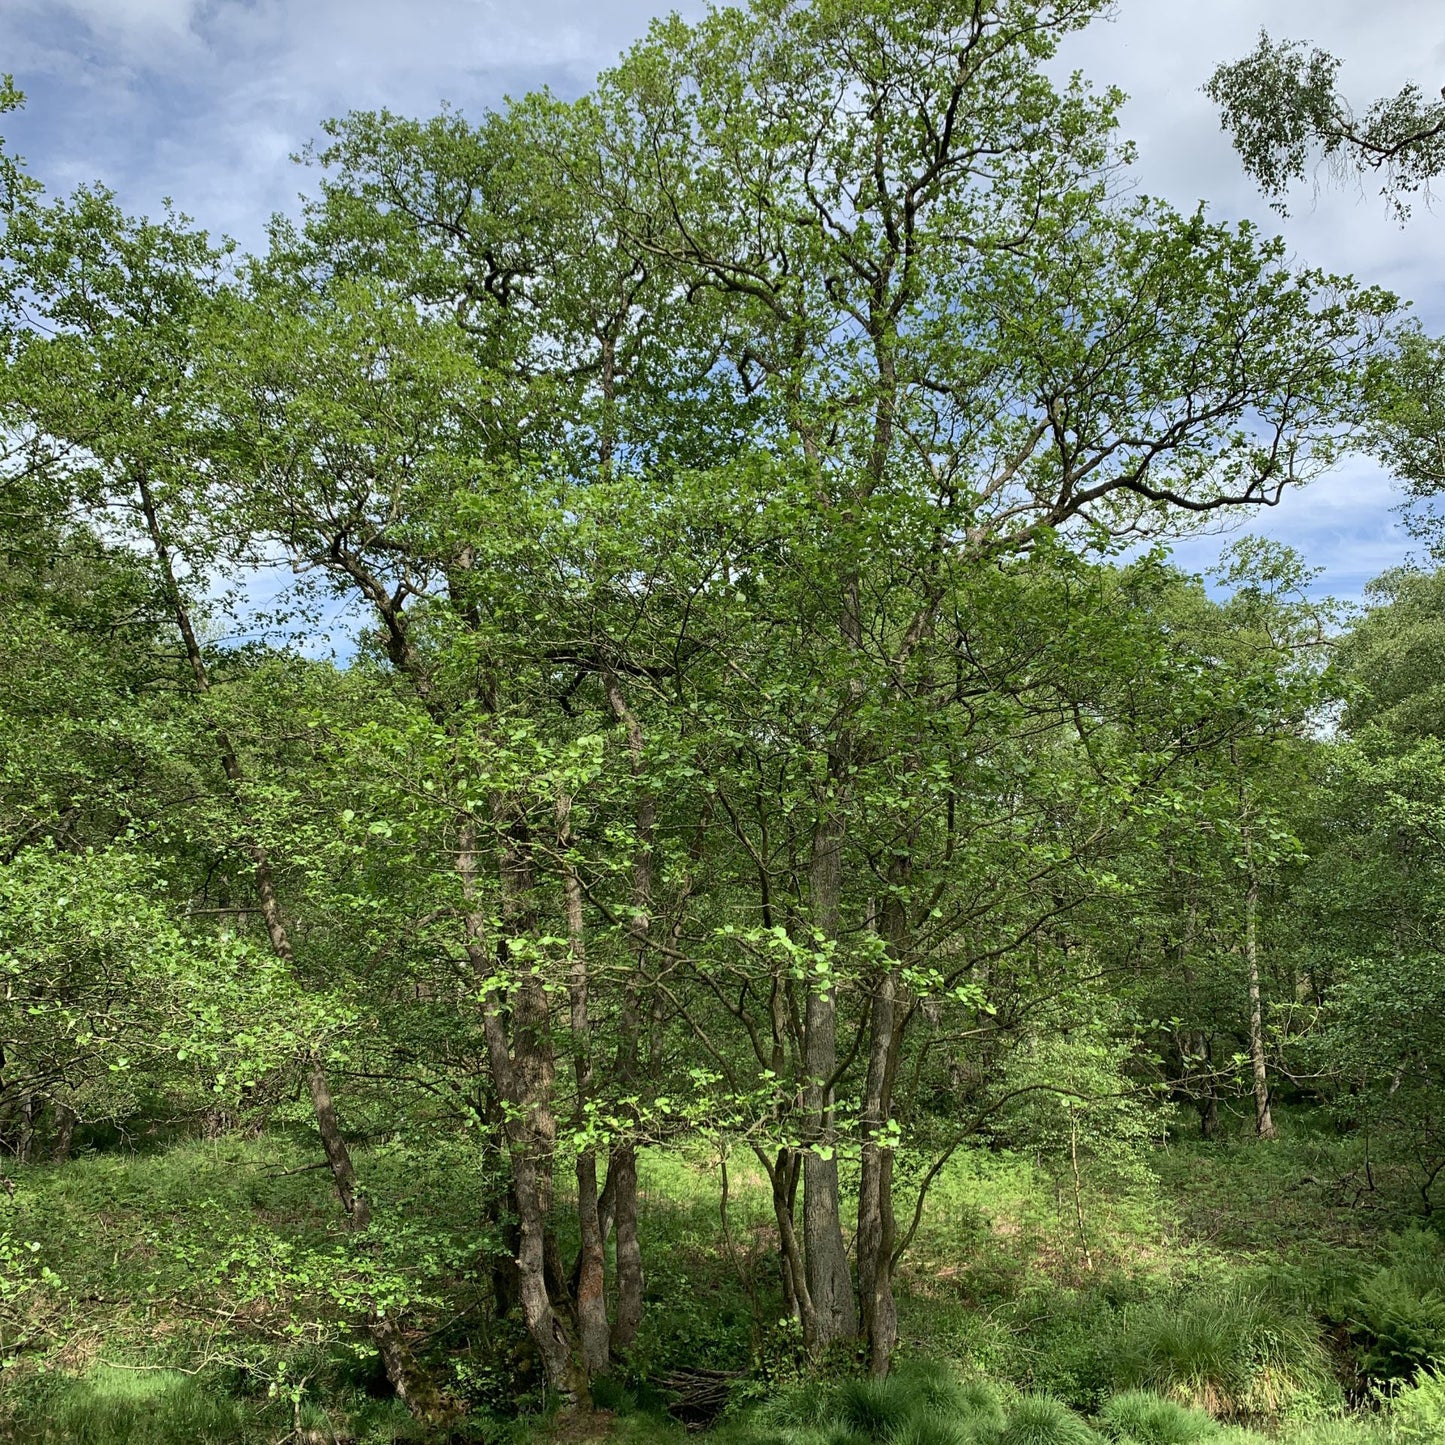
204	101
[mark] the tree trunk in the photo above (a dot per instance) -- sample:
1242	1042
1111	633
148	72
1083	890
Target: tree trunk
629	1247
522	1071
1263	1122
877	1232
333	1142
65	1121
1206	1099
830	1283
782	1174
591	1287
623	1167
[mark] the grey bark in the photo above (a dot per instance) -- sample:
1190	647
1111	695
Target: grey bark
1263	1120
830	1283
623	1168
591	1276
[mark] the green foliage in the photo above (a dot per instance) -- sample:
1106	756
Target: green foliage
1281	106
1068	1346
1393	1315
1145	1419
1232	1354
1042	1420
1417	1411
115	1406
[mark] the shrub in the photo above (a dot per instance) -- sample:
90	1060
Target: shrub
1042	1420
611	1393
1397	1332
1417	1412
1066	1345
1396	1317
1145	1419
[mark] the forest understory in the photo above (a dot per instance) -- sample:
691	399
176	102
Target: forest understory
615	819
1231	1291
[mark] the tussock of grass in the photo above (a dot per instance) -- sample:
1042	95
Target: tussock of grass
922	1403
807	1406
876	1408
1233	1355
1042	1420
928	1429
980	1408
1343	1432
1140	1418
930	1385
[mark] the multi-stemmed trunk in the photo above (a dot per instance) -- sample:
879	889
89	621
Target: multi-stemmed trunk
521	1065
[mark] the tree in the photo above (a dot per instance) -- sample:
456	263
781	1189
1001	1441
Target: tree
101	400
961	335
1372	893
725	467
1281	107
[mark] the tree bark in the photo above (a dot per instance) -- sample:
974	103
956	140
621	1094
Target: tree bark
522	1071
629	1247
1263	1121
877	1231
591	1285
782	1175
830	1283
65	1121
623	1167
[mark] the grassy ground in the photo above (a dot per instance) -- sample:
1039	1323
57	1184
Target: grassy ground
206	1293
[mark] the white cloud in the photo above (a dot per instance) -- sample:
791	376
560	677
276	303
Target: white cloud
172	15
151	32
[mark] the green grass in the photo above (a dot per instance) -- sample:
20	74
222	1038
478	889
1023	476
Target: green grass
1236	1355
1141	1418
109	1406
233	1249
1042	1420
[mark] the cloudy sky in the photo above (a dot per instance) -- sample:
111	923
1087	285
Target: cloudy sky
204	101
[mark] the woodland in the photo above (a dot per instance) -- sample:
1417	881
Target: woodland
615	822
